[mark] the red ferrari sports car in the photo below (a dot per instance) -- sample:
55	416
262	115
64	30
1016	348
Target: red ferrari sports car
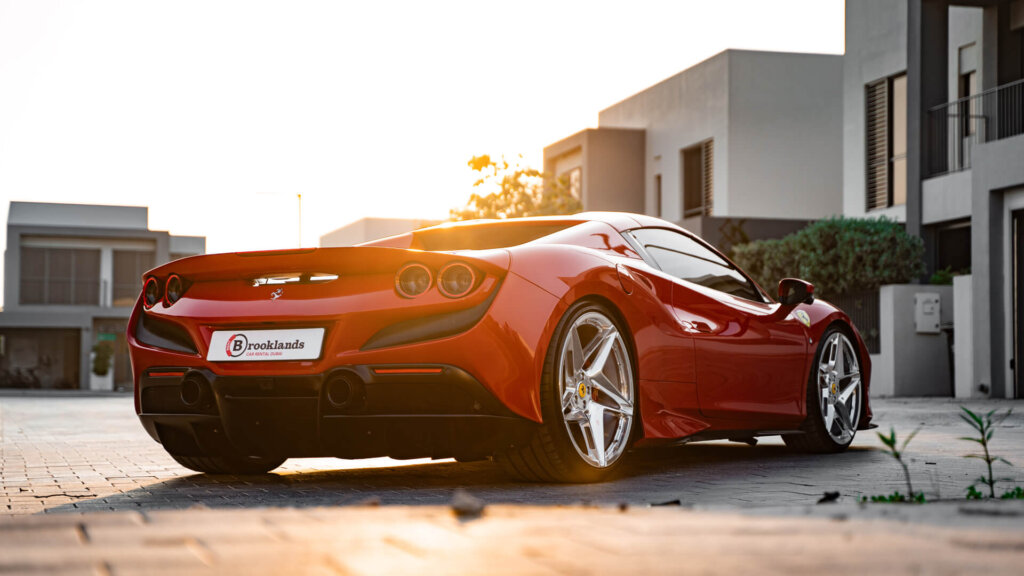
551	345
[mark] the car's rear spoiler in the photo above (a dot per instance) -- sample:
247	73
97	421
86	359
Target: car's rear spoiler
313	261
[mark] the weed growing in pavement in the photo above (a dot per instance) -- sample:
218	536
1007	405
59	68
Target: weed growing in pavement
891	443
1016	494
984	426
895	497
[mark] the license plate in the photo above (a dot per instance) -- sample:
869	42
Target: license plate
260	345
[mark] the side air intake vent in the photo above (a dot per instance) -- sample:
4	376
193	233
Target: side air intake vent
159	333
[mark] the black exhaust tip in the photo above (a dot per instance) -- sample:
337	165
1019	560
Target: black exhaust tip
345	390
195	389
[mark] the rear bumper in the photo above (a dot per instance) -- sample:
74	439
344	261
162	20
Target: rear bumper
362	411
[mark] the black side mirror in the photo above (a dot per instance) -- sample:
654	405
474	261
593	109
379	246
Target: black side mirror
793	291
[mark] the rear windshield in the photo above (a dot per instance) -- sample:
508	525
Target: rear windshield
485	236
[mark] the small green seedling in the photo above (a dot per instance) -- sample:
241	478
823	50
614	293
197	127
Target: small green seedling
1016	494
985	427
897	453
895	497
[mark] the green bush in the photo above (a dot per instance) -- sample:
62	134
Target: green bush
101	361
838	255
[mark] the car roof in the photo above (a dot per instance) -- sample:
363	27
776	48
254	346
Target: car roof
621	221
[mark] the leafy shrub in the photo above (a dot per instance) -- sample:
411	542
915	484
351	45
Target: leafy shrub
838	255
101	362
942	277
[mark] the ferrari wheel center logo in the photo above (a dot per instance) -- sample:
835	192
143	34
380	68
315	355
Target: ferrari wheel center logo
582	390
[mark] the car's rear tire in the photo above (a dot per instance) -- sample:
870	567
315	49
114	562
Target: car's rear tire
588	401
235	465
834	396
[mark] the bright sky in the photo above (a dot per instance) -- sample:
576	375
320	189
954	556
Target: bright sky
217	113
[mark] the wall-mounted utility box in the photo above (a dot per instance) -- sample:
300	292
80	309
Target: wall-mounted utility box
927	309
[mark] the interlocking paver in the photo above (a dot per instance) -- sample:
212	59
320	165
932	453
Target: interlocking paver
65	459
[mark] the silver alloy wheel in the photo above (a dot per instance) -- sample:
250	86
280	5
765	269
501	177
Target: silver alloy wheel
839	388
595	384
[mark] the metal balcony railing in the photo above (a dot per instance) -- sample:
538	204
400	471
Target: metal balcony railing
956	126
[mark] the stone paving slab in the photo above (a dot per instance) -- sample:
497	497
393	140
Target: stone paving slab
517	540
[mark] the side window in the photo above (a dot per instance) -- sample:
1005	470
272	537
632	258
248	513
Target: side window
687	259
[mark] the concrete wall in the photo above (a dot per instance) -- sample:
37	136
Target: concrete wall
911	364
965	29
613	174
612	162
963	341
946	197
78	215
775	120
876	47
677	113
997	183
190	245
366	229
785	135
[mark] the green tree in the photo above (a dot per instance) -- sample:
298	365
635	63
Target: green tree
838	255
512	190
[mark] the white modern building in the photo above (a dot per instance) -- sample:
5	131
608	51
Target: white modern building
72	273
742	136
366	229
921	120
933	116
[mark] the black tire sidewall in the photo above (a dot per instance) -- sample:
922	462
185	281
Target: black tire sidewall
574	466
824	440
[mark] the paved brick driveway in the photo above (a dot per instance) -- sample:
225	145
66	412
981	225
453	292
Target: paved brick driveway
83	490
75	453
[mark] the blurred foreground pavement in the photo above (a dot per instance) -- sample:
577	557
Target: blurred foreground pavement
84	490
837	539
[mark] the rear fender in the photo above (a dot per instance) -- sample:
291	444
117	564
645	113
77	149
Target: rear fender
664	356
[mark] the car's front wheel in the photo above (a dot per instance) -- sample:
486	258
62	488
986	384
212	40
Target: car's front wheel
834	396
588	401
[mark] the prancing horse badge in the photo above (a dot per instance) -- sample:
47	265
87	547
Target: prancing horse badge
803	318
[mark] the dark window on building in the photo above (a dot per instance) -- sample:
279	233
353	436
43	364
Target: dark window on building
953	250
687	259
60	276
129	265
886	142
657	195
698	178
968	108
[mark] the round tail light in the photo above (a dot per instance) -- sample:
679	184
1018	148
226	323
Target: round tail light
150	292
456	280
174	289
413	280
